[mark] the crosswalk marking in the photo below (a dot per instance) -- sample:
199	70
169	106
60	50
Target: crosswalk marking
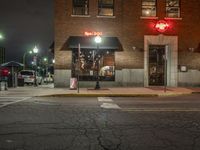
107	103
13	102
110	106
104	99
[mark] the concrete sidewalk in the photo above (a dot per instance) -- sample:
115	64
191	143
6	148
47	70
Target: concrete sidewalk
114	91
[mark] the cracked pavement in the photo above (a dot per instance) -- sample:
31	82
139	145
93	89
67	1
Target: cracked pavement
65	123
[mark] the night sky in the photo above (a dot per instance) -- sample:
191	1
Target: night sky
24	24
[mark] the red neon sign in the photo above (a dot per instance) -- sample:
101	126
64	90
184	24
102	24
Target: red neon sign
161	26
92	33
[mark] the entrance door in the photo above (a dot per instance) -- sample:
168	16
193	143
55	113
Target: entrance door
156	65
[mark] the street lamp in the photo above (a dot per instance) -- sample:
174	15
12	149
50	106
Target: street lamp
35	51
97	40
46	65
53	61
24	56
1	36
45	59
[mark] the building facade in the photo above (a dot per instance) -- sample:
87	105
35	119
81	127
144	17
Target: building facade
144	42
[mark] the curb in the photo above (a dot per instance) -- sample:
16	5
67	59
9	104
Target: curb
115	95
100	95
173	94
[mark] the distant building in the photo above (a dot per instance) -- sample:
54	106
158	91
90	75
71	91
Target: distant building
2	55
137	36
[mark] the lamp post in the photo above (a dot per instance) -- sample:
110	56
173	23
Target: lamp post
5	78
24	58
1	38
97	40
46	65
35	51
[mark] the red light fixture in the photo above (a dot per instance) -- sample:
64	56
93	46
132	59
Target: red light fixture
4	72
161	26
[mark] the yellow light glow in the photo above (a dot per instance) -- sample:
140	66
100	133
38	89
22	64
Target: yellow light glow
147	12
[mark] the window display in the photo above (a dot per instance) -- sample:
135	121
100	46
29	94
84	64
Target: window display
92	62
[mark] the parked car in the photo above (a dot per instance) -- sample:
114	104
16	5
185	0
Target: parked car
29	77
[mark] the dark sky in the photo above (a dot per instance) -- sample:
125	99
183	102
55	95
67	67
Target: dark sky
24	24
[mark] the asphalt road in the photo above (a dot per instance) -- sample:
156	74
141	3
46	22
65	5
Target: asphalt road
103	123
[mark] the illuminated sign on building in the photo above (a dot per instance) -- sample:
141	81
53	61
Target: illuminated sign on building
87	33
161	26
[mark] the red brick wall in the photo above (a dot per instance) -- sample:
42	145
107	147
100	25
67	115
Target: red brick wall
129	28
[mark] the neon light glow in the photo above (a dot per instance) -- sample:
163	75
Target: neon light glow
92	33
161	26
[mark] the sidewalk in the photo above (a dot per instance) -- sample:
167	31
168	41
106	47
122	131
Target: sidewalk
112	92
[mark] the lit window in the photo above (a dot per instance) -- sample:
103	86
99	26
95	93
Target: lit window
93	62
173	8
80	7
106	8
149	8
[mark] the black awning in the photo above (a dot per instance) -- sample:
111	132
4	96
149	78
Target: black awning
87	42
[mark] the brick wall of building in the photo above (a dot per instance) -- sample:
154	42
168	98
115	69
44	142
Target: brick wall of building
128	26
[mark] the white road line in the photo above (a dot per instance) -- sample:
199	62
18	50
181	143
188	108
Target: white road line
110	106
10	103
104	99
161	110
12	97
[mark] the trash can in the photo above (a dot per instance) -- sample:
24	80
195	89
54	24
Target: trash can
73	83
3	86
20	81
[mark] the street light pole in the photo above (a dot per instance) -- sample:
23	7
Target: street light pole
24	59
46	65
97	41
35	51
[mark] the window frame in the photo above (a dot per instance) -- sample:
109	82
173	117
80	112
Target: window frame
179	9
83	7
150	16
108	7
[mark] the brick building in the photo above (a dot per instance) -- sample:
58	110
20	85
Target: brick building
144	42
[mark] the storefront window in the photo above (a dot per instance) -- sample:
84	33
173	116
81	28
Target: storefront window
149	8
87	68
106	7
173	8
80	7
